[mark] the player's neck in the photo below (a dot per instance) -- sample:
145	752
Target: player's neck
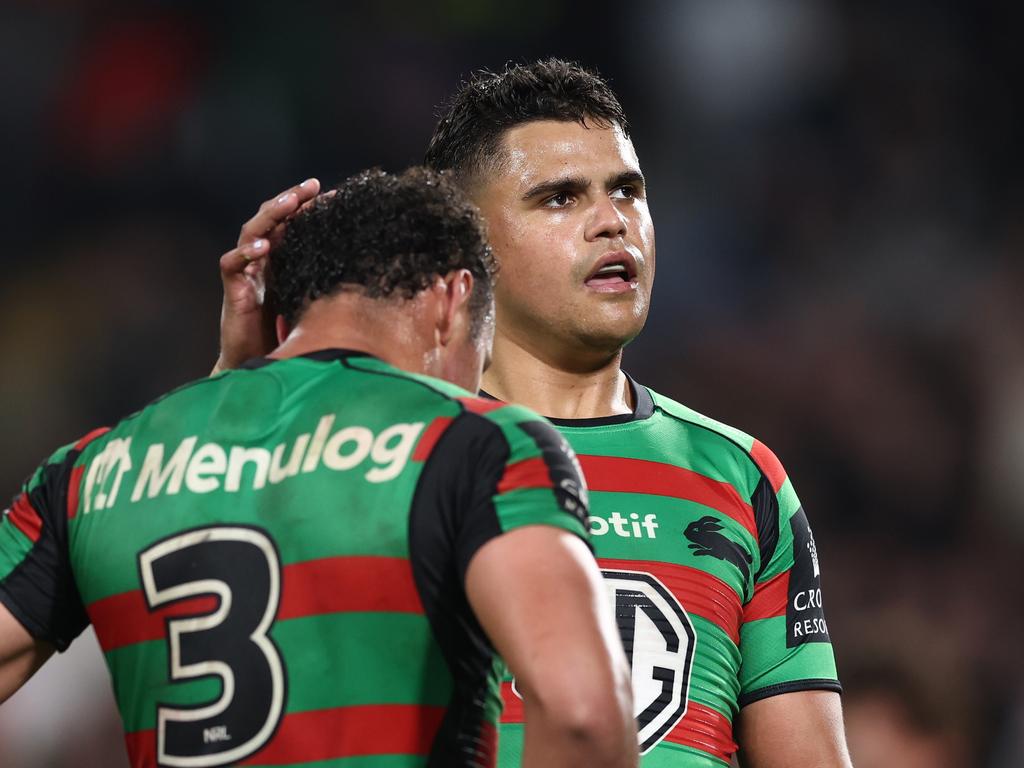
342	323
555	389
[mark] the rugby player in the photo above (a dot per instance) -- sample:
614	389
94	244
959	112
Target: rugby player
703	541
319	556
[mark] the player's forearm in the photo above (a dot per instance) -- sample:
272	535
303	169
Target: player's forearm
20	654
595	736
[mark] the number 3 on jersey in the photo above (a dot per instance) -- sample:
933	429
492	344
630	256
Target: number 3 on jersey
659	642
241	568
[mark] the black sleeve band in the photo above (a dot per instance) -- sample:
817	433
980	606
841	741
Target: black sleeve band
813	684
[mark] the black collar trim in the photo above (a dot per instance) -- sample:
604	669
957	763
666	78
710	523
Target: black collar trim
323	355
643	409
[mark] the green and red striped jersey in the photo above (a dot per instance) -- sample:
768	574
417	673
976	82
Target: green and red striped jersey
712	570
274	560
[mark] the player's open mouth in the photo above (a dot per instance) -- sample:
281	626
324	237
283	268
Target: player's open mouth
614	273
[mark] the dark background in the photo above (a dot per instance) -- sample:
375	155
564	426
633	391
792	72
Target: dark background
839	203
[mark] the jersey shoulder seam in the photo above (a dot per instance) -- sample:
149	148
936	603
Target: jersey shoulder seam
658	406
405	376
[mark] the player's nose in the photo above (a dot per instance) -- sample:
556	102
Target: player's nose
606	220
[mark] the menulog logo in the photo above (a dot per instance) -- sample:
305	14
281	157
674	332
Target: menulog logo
207	467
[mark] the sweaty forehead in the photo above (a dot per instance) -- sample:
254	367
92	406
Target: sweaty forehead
545	149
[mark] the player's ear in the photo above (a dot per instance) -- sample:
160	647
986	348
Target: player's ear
282	328
454	319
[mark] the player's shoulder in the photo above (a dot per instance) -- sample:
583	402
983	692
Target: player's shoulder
414	383
64	452
727	436
513	432
478	416
688	418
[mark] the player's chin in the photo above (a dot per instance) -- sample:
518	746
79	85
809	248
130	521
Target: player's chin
618	309
612	330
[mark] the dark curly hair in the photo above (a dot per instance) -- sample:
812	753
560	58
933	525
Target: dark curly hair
467	139
387	235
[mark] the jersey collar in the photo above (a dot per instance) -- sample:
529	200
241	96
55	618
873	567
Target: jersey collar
323	355
643	408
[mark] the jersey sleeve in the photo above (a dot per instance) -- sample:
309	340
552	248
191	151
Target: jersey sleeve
784	640
489	475
36	582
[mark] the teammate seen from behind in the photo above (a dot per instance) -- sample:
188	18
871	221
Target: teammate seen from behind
706	550
317	558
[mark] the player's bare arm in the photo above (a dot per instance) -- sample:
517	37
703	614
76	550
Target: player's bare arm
20	654
552	625
246	328
803	728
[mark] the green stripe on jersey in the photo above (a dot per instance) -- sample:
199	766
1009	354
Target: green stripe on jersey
361	666
668	544
695	448
14	545
713	682
141	684
524	507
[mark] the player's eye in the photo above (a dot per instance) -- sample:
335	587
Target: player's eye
625	192
558	200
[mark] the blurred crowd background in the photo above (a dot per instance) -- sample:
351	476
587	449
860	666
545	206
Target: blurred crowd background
839	201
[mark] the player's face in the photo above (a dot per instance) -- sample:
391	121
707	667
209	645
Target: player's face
568	220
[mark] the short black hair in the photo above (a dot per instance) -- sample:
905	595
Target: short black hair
387	235
467	139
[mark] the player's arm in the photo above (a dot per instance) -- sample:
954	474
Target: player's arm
40	608
511	511
246	328
538	594
20	654
804	728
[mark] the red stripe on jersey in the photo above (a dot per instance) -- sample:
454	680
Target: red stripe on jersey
141	748
326	734
513	711
382	584
768	463
705	729
528	473
430	437
124	619
480	405
363	584
769	600
73	487
24	517
90	437
619	475
697	591
487	746
74	484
